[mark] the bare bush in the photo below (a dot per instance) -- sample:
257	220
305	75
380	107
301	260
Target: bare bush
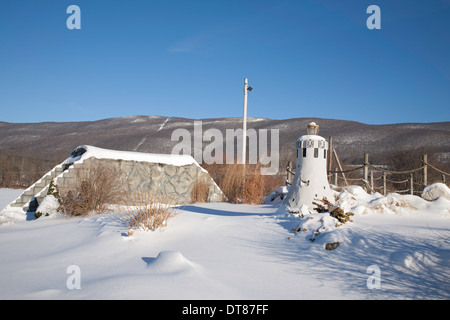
148	211
253	189
238	184
232	182
93	189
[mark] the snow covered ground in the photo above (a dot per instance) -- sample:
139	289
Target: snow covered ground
397	247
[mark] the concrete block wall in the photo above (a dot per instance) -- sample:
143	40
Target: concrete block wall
176	182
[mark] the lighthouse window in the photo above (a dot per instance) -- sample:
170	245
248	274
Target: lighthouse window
324	153
316	152
304	152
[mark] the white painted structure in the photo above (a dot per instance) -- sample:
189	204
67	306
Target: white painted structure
244	123
310	182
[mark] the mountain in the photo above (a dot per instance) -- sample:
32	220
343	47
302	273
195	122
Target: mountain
53	142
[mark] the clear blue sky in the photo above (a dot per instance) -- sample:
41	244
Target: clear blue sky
189	58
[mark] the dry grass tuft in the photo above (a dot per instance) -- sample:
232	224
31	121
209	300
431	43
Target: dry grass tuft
231	182
253	191
199	191
238	184
148	211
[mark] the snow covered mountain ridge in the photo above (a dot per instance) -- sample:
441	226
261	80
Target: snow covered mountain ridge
152	134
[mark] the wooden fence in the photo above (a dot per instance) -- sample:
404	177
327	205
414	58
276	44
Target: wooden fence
378	178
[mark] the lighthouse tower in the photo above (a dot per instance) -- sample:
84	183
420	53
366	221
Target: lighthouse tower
310	182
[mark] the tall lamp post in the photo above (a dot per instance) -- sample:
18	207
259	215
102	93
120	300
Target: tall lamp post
244	125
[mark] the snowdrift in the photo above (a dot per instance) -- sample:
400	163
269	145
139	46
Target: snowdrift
232	251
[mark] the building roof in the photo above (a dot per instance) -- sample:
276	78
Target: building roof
84	152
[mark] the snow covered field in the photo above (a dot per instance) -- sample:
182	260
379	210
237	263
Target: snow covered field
397	247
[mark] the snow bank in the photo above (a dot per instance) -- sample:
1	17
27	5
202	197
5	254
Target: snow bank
277	196
168	262
7	195
9	214
232	251
48	206
358	201
355	202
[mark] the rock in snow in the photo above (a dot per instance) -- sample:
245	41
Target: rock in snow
436	190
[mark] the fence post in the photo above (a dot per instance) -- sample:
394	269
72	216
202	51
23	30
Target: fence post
371	179
384	184
411	183
289	175
340	167
366	168
425	171
336	178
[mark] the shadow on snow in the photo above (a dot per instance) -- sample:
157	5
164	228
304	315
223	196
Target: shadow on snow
221	212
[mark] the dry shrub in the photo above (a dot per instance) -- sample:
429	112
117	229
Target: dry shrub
232	181
238	184
93	189
199	191
340	215
334	210
148	211
253	191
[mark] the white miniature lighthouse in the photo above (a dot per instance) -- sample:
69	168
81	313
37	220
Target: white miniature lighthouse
310	183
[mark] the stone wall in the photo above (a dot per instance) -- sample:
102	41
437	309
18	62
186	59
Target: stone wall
175	182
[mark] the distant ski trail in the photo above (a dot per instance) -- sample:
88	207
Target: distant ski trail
140	143
144	138
162	125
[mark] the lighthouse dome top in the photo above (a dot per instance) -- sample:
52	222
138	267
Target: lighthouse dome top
312	133
312	128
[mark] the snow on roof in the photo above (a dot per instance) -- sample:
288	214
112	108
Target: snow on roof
84	152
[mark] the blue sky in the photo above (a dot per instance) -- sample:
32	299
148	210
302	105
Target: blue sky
189	58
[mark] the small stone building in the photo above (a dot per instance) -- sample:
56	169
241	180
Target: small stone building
171	175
